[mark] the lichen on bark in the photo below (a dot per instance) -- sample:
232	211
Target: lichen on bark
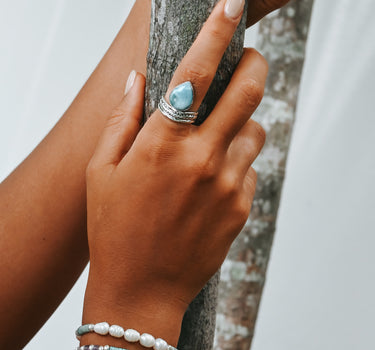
282	40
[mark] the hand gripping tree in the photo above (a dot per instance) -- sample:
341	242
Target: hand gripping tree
174	26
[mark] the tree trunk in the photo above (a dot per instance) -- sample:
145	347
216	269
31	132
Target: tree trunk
174	26
282	40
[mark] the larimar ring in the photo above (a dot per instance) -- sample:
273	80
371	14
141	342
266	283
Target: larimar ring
181	99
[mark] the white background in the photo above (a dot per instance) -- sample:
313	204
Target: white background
320	288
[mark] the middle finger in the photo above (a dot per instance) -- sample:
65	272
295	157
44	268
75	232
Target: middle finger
239	100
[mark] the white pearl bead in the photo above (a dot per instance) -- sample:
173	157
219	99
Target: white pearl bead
116	331
147	340
106	347
131	335
160	344
101	328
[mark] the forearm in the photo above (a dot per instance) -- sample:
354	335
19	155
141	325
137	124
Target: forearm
43	239
135	309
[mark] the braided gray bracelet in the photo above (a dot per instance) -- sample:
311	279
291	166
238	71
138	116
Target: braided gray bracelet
130	335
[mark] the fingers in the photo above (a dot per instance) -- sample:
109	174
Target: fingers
239	101
201	61
257	9
245	148
123	125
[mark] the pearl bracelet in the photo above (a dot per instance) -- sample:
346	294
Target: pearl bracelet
98	347
130	335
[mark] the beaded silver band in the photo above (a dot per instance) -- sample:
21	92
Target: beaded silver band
173	114
130	335
98	347
107	347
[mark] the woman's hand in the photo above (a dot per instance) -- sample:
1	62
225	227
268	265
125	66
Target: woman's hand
166	202
257	9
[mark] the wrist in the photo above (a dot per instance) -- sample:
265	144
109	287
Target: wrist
140	310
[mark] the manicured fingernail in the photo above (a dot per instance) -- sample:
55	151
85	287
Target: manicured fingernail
130	81
233	8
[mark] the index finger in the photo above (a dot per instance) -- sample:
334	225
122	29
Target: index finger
202	60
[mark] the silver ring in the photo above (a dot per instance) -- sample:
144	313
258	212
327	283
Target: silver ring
173	114
181	99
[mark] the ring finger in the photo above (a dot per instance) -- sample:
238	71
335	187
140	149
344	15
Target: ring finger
245	148
238	102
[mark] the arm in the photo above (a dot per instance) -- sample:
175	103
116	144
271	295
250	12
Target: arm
155	243
43	239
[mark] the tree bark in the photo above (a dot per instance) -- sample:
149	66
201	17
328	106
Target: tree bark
174	26
282	40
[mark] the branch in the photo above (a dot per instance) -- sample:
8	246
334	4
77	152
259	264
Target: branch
282	40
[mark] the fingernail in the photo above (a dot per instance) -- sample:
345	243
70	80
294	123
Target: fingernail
233	8
130	81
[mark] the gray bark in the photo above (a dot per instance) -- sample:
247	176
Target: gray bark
174	26
282	40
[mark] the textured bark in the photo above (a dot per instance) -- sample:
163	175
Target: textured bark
282	40
174	26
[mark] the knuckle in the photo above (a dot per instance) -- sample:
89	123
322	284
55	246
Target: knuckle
251	182
256	55
207	169
260	134
157	151
116	116
228	185
114	121
253	176
92	168
129	122
204	165
198	74
250	93
262	60
241	210
217	34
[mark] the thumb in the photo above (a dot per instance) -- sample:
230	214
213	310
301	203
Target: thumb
122	125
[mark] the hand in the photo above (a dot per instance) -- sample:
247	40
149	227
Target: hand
257	9
166	202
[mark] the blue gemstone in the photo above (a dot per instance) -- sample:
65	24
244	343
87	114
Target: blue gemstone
182	95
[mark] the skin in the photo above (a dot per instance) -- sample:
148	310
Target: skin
257	9
154	244
43	229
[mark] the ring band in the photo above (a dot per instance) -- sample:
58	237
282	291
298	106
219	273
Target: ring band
173	114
